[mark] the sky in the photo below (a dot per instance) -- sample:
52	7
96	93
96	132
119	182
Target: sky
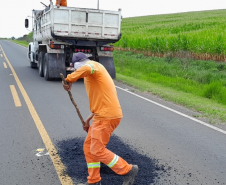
14	12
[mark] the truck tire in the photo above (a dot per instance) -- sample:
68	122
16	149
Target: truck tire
53	66
46	67
40	63
33	65
108	63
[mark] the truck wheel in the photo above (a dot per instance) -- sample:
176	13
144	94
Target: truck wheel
46	67
40	63
54	64
108	63
33	65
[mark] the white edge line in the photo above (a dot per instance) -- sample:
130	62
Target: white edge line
177	112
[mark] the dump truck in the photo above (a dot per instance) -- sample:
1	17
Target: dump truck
59	33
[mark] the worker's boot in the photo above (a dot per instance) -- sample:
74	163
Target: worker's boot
97	183
129	177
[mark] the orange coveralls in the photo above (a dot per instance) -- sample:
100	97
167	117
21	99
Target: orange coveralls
62	2
107	111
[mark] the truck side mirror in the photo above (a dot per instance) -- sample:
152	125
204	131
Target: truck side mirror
26	23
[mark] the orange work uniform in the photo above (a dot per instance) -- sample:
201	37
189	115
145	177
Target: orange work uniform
107	111
62	2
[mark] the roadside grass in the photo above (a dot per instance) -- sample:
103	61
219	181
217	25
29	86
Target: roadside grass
198	85
21	42
209	109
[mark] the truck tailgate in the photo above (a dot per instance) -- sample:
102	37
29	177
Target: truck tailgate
85	23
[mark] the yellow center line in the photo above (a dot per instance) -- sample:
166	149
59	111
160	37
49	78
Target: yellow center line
59	166
15	96
4	64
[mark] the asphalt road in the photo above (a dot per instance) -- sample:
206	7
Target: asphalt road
41	135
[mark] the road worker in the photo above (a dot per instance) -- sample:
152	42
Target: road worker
106	114
60	3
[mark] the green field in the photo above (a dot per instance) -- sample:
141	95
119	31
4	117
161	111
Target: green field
177	76
202	33
198	85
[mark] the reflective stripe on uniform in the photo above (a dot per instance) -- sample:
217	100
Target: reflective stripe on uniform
93	165
113	162
92	68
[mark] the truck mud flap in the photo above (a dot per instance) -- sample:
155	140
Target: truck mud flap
108	63
54	65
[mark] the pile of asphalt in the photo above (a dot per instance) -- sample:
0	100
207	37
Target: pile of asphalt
71	153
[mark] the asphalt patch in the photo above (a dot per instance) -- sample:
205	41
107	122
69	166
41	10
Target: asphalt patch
71	153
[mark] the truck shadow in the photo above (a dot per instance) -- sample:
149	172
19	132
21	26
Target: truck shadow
71	153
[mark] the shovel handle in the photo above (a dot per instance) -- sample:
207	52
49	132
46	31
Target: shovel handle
72	100
62	76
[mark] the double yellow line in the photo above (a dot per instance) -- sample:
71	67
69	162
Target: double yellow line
59	166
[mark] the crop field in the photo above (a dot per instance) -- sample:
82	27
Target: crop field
201	33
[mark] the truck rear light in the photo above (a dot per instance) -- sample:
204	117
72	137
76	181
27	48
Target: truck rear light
52	46
51	42
82	50
106	48
56	46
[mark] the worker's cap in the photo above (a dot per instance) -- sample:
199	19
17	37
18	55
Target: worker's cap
79	57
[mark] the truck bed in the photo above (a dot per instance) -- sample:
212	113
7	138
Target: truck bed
78	24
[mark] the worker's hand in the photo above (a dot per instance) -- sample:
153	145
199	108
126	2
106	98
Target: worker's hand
67	87
58	5
86	126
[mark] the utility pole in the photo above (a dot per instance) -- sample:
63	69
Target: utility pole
98	4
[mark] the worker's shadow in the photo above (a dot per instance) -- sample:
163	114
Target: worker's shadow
71	153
